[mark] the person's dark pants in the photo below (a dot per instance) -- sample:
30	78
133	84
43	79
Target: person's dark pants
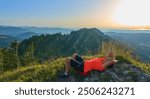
77	63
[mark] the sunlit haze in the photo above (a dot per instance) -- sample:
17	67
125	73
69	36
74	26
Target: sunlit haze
133	13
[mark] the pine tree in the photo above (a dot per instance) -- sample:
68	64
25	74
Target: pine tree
9	57
28	58
9	60
1	59
14	46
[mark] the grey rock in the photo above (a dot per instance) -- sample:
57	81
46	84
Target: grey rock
126	72
119	73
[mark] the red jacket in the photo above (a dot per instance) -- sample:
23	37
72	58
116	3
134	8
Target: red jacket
93	64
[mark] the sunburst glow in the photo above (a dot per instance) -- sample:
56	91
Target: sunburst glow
133	13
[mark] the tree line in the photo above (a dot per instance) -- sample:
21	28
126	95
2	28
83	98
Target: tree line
10	59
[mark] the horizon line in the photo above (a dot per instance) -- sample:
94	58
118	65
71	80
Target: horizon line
64	27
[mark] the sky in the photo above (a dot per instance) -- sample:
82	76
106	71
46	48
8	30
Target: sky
76	13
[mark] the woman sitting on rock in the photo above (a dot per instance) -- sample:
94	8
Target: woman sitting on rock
85	66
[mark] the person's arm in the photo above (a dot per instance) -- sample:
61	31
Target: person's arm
109	63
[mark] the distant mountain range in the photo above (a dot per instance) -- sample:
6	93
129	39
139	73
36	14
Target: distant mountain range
6	40
20	33
126	31
140	42
15	31
26	35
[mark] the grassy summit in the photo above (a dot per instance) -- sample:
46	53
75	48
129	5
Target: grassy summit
128	69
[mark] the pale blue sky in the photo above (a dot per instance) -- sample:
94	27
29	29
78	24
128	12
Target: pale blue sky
50	12
75	13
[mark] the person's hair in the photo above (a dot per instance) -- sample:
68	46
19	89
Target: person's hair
110	66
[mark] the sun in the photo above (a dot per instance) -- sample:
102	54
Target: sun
133	13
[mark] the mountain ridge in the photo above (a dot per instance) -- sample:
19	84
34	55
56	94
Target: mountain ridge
83	41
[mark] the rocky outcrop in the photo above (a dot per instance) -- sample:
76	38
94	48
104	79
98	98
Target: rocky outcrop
118	73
